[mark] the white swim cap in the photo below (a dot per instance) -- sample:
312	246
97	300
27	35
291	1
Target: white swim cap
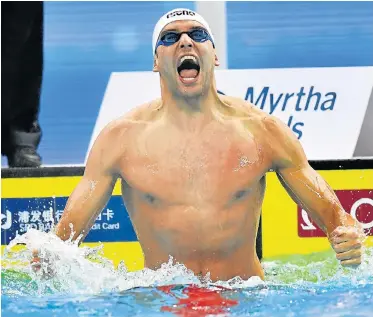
177	15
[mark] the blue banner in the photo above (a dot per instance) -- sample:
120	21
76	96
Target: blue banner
19	214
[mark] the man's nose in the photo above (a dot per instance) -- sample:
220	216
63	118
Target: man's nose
185	41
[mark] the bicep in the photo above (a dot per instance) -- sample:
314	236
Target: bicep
305	185
91	194
302	182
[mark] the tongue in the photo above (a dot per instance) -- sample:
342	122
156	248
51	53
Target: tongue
188	73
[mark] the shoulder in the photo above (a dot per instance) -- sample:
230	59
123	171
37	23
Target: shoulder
112	142
248	111
243	110
286	150
119	130
145	112
278	139
137	116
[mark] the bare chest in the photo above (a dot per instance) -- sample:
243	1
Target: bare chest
202	166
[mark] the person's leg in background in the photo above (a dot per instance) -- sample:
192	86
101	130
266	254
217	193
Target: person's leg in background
22	66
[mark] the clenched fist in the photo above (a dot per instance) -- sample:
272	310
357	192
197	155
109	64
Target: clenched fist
347	242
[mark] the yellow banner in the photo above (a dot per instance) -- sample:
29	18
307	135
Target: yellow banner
130	252
280	215
281	219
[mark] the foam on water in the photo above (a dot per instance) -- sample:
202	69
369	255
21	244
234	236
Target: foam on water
83	270
84	283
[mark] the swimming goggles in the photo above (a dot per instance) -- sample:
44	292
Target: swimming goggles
198	35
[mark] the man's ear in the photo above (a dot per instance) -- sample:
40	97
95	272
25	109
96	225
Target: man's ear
155	64
217	63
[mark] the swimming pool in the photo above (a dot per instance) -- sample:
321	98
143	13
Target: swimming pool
85	284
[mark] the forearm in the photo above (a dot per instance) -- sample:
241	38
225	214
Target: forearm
310	191
72	226
83	207
329	215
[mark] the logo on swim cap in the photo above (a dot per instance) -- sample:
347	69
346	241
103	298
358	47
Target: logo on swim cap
180	12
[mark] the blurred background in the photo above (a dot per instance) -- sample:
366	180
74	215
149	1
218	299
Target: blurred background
85	42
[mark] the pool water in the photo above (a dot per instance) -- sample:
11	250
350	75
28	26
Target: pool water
85	284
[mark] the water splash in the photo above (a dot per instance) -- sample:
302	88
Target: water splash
71	269
68	268
322	269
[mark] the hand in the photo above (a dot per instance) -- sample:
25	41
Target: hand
38	263
347	242
35	261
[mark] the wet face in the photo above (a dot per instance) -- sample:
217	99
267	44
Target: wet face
187	66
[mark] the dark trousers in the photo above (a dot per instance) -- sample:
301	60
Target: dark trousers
21	69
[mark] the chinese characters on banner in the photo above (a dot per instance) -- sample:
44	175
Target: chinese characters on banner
20	214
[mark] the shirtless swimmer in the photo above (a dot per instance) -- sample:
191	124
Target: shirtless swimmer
192	166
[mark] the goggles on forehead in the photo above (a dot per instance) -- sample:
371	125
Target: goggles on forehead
198	35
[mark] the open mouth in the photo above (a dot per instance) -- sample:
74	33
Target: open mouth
188	69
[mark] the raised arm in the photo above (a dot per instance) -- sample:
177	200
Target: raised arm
309	190
94	189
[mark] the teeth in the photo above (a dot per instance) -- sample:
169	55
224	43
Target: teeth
188	57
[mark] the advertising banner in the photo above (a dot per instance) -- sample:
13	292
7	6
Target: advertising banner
358	203
324	107
288	230
38	202
40	213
